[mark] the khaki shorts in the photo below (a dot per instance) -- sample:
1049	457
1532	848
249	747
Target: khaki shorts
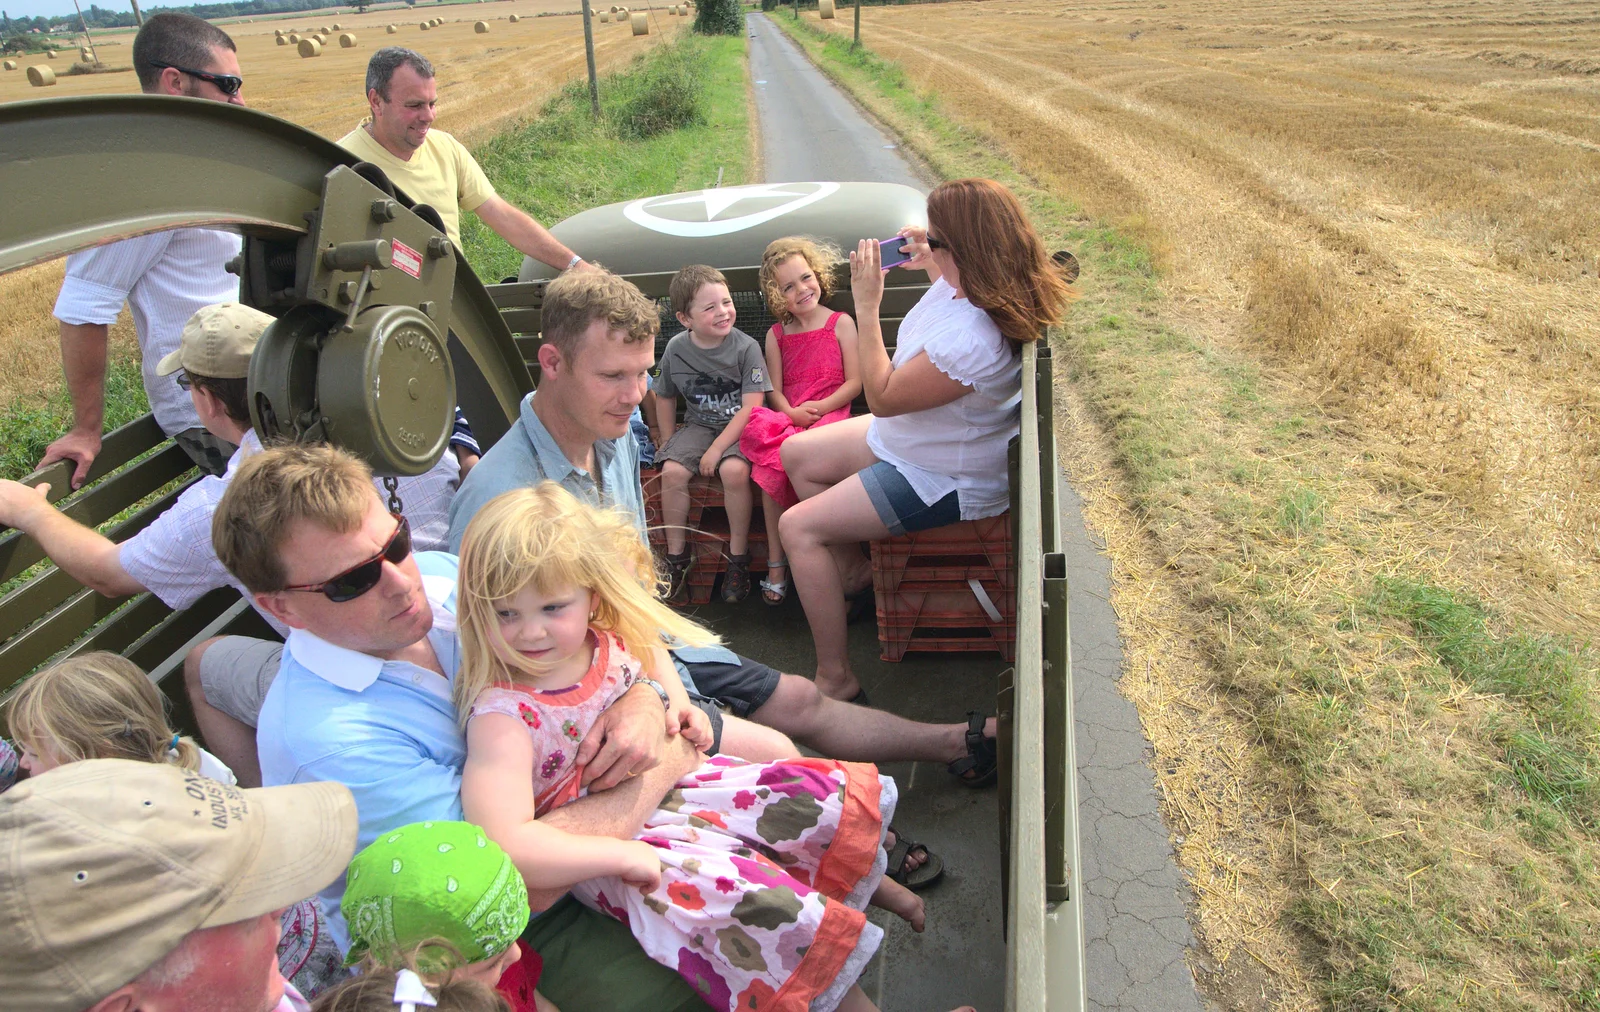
236	672
690	442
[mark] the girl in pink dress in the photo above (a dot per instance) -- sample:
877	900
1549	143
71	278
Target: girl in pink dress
750	879
811	360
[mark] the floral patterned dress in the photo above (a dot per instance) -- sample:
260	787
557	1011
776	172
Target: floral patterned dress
766	867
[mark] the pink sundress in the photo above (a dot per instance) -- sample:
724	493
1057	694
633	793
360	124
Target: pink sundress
813	368
765	867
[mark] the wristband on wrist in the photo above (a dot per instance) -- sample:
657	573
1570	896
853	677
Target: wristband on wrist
666	700
575	261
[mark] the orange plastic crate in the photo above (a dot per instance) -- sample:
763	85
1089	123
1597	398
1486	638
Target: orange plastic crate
924	596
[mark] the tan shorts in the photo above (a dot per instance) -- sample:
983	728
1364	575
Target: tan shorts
690	442
236	672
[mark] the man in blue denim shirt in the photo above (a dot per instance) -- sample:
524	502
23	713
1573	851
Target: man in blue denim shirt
363	699
599	345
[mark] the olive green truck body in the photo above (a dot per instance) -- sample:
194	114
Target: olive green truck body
383	328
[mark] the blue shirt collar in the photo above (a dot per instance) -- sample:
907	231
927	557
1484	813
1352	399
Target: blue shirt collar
554	463
355	671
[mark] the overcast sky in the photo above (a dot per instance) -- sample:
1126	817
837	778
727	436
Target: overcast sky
52	8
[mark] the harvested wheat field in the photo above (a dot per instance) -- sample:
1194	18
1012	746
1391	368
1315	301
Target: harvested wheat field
486	83
1351	479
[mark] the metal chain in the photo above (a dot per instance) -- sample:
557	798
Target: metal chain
392	486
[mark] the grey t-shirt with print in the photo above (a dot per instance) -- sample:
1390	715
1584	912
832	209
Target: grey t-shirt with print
712	381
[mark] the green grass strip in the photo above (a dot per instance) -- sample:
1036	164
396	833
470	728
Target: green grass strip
564	161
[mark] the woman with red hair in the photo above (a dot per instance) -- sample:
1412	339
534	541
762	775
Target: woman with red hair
933	450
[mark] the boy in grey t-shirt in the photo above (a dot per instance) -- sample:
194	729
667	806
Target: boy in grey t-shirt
722	376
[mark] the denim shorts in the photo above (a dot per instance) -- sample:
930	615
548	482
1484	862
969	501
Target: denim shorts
899	506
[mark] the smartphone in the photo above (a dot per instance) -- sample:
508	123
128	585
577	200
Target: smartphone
894	251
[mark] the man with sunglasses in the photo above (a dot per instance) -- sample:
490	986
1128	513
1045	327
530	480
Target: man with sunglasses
164	277
364	699
173	558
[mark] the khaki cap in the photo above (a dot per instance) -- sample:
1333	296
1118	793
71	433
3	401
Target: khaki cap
106	865
217	342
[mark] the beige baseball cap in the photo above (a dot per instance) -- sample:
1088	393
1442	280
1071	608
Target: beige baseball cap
106	865
217	342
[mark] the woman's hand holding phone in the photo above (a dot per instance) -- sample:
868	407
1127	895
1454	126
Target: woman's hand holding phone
918	247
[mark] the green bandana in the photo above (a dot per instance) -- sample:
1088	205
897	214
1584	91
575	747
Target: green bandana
433	880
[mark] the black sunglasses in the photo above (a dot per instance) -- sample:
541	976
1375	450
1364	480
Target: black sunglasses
362	577
184	382
937	243
226	83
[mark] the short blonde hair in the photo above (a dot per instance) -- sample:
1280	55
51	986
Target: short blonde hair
545	537
578	298
822	257
97	705
274	489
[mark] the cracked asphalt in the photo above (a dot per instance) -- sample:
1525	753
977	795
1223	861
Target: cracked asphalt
1136	926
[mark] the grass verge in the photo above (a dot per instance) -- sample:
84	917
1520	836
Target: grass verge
27	426
564	161
1384	788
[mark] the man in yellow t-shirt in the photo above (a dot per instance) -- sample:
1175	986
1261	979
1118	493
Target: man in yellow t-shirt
433	167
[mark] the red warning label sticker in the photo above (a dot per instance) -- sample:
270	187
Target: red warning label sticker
407	259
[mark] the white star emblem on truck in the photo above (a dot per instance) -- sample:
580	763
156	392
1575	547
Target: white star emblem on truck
713	203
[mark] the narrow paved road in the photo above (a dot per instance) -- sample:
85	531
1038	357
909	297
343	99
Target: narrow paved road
1135	917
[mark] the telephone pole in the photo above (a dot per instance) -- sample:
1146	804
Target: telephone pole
94	56
588	52
138	15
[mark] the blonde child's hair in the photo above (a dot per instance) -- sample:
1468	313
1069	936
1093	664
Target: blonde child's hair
97	705
372	990
822	257
545	537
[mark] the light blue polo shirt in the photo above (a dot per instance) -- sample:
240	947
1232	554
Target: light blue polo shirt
527	455
385	729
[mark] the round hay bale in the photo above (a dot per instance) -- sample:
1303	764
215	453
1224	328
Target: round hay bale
282	41
321	40
277	31
605	17
83	54
481	27
514	19
309	48
324	31
10	64
641	24
825	9
336	26
294	37
41	76
347	40
426	25
391	29
50	55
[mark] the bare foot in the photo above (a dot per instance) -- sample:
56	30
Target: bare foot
897	899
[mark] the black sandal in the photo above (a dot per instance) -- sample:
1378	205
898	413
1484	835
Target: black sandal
736	581
980	766
677	574
923	875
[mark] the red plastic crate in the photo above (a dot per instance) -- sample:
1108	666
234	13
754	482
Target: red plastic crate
707	534
922	583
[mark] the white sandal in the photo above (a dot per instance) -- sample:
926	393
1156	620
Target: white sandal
778	590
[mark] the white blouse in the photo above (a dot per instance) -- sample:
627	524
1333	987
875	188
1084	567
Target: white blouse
960	446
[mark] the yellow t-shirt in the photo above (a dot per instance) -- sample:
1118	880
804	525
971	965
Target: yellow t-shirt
441	174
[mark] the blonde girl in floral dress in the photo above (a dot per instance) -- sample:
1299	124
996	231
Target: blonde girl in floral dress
750	878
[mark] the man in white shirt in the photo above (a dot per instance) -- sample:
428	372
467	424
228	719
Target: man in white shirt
431	166
164	277
173	557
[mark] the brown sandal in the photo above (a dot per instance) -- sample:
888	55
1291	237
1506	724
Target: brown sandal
736	581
